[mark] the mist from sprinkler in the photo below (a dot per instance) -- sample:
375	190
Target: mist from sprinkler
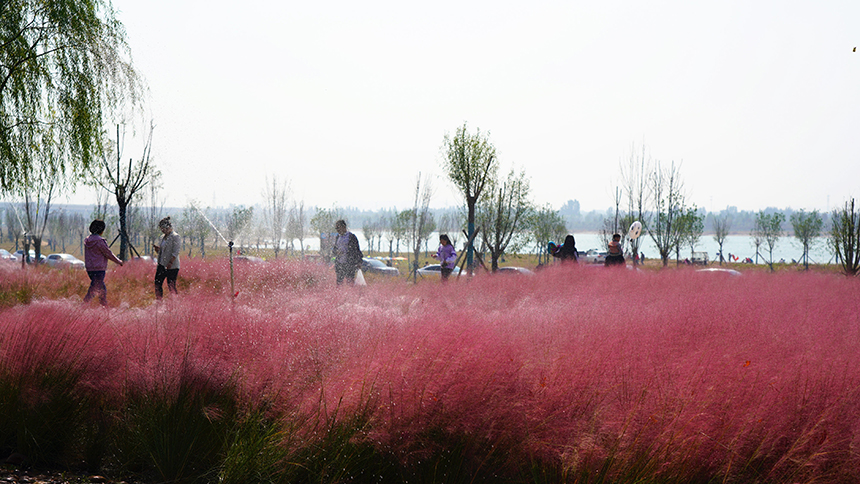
229	243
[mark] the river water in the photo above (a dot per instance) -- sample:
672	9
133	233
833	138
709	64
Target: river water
787	248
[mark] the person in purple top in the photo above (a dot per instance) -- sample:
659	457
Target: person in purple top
96	255
446	255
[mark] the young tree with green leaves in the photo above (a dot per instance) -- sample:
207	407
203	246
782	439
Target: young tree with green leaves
238	219
807	227
845	237
722	225
471	164
768	228
545	224
692	227
322	223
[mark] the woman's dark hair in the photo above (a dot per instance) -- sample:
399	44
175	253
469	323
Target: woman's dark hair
165	222
569	241
445	238
97	226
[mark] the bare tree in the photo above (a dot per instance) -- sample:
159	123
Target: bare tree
634	176
37	206
450	223
154	212
14	228
297	225
668	199
845	237
125	182
757	235
371	232
276	211
612	221
503	214
421	222
195	226
59	230
471	164
722	225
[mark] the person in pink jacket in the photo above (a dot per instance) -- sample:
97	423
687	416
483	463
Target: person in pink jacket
96	255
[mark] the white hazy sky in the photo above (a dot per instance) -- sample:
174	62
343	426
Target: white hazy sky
349	101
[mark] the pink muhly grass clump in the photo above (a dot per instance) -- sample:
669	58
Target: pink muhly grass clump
703	375
590	373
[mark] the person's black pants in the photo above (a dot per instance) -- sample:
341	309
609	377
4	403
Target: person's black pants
97	287
162	273
614	260
345	271
446	271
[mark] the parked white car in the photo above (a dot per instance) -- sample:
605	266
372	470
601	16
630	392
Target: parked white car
595	256
64	260
520	271
6	255
435	271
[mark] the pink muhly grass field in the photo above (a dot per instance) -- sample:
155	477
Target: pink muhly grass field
582	373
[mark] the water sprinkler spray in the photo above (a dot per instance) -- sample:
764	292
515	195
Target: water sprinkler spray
229	246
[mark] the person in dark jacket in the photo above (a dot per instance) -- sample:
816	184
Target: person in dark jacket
567	251
347	254
96	256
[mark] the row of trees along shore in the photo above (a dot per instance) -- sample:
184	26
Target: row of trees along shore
403	232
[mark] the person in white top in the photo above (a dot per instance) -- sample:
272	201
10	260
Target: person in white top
168	258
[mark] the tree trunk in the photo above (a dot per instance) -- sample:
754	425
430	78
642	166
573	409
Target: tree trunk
123	235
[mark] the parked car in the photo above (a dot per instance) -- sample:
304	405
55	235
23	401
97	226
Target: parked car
595	256
374	266
700	258
145	259
20	253
519	271
435	271
6	255
61	261
249	259
720	270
